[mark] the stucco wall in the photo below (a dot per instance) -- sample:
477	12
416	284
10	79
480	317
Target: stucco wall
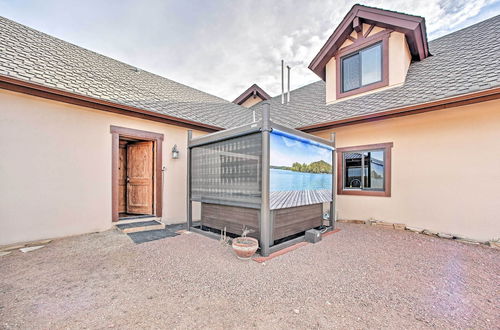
55	171
399	63
445	170
354	34
251	101
399	59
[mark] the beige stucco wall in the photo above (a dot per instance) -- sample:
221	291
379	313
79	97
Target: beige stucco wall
399	59
354	34
445	170
346	43
375	30
331	81
399	63
55	171
251	101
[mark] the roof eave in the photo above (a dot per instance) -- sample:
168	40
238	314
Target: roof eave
25	87
464	99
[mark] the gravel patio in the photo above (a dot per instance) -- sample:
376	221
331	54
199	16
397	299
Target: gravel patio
360	277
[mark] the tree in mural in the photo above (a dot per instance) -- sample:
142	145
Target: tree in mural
315	167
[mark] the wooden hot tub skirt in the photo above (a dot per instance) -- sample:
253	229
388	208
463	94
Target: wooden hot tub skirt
286	222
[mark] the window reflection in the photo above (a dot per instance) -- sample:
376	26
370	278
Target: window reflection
364	170
362	68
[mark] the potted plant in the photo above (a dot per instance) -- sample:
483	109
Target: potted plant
245	247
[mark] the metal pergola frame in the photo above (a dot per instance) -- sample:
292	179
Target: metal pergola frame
265	127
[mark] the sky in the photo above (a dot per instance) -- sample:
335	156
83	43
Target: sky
286	151
222	46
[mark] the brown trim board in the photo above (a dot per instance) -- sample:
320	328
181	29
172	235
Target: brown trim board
477	97
157	138
25	87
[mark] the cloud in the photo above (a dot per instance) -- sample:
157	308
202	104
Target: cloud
286	151
220	47
291	143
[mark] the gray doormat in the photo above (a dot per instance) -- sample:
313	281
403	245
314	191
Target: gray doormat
151	235
137	224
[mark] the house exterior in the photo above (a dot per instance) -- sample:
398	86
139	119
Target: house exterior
64	114
416	124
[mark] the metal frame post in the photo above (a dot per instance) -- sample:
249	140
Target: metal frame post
288	77
265	217
189	211
282	82
333	204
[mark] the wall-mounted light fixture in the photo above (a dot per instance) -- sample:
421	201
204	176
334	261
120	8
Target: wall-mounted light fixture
175	152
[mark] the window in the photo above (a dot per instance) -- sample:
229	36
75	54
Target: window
362	68
364	170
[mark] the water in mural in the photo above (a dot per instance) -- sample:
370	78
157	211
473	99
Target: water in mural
301	171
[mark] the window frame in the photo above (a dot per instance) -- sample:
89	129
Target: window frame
351	50
386	148
358	52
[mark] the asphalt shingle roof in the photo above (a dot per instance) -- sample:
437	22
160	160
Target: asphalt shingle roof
29	55
465	61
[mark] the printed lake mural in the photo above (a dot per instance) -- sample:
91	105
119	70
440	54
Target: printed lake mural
301	171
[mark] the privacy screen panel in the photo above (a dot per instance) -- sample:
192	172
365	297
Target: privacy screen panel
228	171
301	171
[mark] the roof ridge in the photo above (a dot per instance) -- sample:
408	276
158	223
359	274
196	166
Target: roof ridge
299	88
293	90
389	10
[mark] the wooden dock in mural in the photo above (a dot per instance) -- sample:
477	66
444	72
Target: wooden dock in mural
284	199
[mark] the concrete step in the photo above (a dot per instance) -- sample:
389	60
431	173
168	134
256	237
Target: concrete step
135	227
135	220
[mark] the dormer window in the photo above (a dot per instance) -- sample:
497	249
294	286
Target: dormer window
362	68
371	50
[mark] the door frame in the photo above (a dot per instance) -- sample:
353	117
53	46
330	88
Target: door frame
116	133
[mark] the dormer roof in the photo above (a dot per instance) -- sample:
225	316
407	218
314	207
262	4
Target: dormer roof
252	91
413	28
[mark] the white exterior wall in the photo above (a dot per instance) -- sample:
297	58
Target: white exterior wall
445	170
55	168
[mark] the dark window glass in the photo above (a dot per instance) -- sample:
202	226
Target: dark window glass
364	170
352	170
351	72
362	68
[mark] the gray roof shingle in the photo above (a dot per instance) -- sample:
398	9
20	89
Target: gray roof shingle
465	61
33	56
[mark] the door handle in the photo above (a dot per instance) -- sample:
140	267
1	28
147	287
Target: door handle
128	179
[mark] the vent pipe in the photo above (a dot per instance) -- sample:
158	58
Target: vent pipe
282	82
288	93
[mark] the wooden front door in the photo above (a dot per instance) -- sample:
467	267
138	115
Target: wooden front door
122	178
140	178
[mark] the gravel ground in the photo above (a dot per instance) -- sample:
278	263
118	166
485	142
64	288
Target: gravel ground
361	277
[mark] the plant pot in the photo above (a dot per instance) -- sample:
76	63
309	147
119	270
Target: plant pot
245	247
